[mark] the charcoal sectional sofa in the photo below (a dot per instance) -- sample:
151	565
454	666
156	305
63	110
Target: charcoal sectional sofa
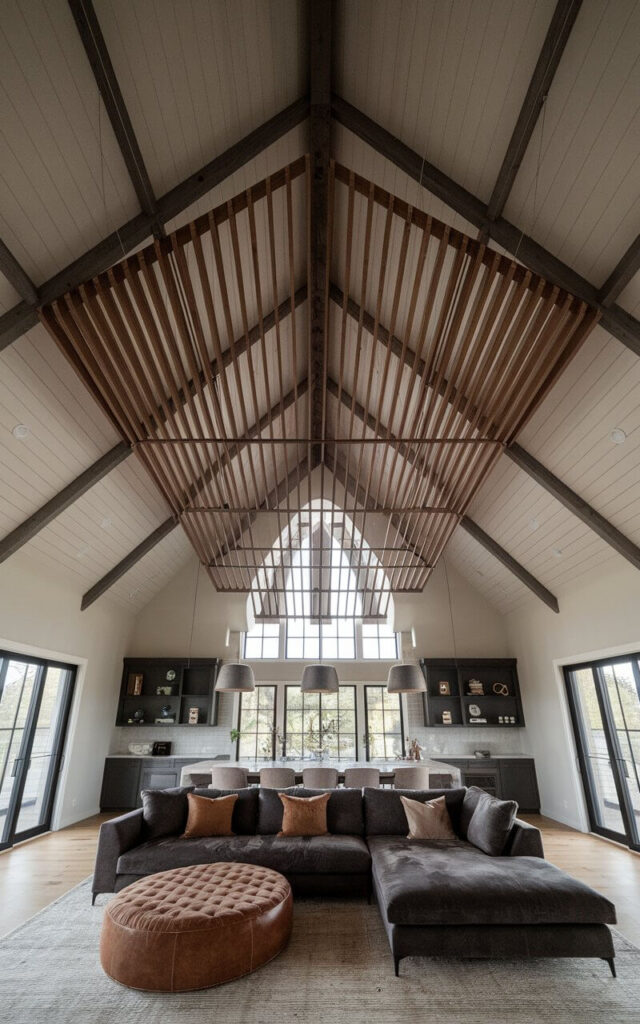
437	898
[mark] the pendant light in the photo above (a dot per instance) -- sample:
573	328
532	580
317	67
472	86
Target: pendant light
235	677
406	678
319	679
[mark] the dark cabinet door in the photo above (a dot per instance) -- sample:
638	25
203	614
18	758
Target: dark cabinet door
518	782
157	776
485	776
120	783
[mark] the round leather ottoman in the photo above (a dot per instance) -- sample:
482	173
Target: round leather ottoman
195	927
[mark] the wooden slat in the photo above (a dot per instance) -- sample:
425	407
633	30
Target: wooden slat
617	321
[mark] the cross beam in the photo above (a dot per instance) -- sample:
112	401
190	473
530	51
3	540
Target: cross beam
17	276
614	319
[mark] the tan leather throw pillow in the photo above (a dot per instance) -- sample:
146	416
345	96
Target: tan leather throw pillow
304	815
428	820
209	816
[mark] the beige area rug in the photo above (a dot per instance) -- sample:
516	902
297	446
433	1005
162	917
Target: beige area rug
337	969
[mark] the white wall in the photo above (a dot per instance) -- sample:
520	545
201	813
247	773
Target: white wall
598	617
39	614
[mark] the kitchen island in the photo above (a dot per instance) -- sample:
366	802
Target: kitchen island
387	769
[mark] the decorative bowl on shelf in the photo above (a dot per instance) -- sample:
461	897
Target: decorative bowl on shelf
140	749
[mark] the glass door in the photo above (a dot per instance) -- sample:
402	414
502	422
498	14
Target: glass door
35	698
604	699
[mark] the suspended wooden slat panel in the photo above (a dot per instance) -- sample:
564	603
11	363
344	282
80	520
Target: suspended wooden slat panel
199	348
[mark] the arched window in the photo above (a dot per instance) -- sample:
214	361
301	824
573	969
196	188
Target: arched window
307	599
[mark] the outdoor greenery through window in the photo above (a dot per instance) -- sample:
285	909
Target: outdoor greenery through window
385	728
317	723
257	722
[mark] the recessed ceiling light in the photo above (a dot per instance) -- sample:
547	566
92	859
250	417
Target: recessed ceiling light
106	523
20	431
618	435
533	524
81	552
134	593
556	552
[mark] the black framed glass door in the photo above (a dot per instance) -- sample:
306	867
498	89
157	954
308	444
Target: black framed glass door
35	699
604	699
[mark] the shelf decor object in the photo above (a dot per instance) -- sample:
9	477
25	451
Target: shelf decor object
320	679
494	700
406	678
235	677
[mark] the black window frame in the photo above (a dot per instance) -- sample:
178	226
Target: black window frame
256	755
343	686
381	686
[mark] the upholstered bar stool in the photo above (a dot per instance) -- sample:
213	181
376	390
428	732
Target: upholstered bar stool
277	778
358	778
232	777
412	777
320	778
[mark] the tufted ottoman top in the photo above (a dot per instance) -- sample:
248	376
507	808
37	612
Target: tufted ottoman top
195	897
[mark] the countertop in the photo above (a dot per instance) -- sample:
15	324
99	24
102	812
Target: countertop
203	756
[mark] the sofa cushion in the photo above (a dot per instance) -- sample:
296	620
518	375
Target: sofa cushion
491	823
428	820
245	812
469	804
209	817
324	855
164	811
384	814
454	883
344	810
304	815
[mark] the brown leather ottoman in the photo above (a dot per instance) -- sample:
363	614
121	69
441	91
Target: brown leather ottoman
195	927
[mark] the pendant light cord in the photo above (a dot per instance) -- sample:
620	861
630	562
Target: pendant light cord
453	630
193	615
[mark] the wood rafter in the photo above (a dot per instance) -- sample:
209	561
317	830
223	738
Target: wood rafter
490	339
616	320
96	50
556	39
572	501
21	318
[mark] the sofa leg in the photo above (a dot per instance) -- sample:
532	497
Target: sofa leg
396	964
93	898
612	965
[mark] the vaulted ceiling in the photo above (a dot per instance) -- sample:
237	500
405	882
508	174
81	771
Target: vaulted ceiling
174	187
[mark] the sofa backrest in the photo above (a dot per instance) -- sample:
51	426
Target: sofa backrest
244	821
344	810
384	814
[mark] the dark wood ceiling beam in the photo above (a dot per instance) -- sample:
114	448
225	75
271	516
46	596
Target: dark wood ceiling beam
621	274
16	276
52	508
100	257
97	53
617	321
128	562
27	530
165	528
320	28
574	503
466	523
553	47
510	563
526	462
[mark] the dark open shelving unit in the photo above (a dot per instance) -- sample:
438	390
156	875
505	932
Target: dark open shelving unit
193	686
457	673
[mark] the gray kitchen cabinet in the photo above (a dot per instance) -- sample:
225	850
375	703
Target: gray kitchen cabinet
518	782
120	783
157	775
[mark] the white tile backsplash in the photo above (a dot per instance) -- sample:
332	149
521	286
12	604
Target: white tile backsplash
460	741
196	739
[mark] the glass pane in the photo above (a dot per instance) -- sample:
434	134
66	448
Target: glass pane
625	705
37	782
603	789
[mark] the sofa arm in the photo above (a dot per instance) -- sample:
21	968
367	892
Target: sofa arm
524	840
116	836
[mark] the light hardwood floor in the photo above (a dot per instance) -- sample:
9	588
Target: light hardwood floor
36	873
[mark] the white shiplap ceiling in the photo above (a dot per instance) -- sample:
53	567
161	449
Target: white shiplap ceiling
445	76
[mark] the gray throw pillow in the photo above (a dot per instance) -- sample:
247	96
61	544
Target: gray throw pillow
164	811
491	823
